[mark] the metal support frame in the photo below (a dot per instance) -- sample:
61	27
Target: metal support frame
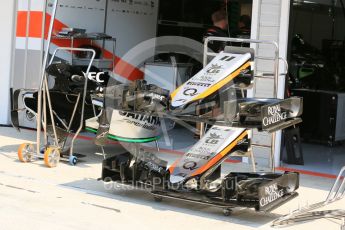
276	57
44	90
276	74
336	193
47	95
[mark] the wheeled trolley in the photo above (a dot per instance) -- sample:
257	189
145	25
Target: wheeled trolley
62	111
61	104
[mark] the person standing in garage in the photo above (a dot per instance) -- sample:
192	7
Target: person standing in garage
219	29
244	27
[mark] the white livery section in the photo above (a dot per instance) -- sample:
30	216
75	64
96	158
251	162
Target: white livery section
130	125
221	67
133	125
209	146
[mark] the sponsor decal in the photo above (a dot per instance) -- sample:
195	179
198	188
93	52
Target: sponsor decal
197	156
214	69
274	115
190	92
199	84
204	78
144	126
213	139
242	141
272	193
191	165
227	58
144	118
93	76
201	150
140	120
182	100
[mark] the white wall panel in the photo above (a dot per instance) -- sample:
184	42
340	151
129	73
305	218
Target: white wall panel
261	155
7	22
131	22
89	15
262	138
264	66
264	87
272	16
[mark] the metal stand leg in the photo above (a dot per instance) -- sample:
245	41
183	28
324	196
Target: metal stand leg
157	145
103	152
50	111
39	103
273	147
44	122
253	160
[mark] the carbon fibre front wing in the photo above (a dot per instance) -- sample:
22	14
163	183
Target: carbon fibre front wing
264	114
261	191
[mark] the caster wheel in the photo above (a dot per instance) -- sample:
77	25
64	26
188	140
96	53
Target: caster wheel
73	160
42	150
227	212
158	198
51	157
25	152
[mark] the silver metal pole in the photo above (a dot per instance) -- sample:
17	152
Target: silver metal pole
73	113
45	118
52	120
114	53
44	65
332	195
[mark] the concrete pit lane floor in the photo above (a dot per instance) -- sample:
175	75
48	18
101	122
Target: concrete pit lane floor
70	197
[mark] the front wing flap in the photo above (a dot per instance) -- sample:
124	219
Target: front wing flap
265	114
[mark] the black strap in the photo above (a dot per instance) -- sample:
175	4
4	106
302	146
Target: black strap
14	108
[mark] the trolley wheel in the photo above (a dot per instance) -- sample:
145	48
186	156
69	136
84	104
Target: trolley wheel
42	150
73	160
51	157
25	152
227	211
157	198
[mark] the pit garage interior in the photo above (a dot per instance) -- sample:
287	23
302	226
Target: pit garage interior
161	41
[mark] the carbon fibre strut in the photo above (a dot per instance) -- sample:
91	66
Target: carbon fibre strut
336	193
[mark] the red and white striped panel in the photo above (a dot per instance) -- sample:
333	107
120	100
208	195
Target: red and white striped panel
29	24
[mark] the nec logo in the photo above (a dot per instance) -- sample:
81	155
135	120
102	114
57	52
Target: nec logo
94	76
